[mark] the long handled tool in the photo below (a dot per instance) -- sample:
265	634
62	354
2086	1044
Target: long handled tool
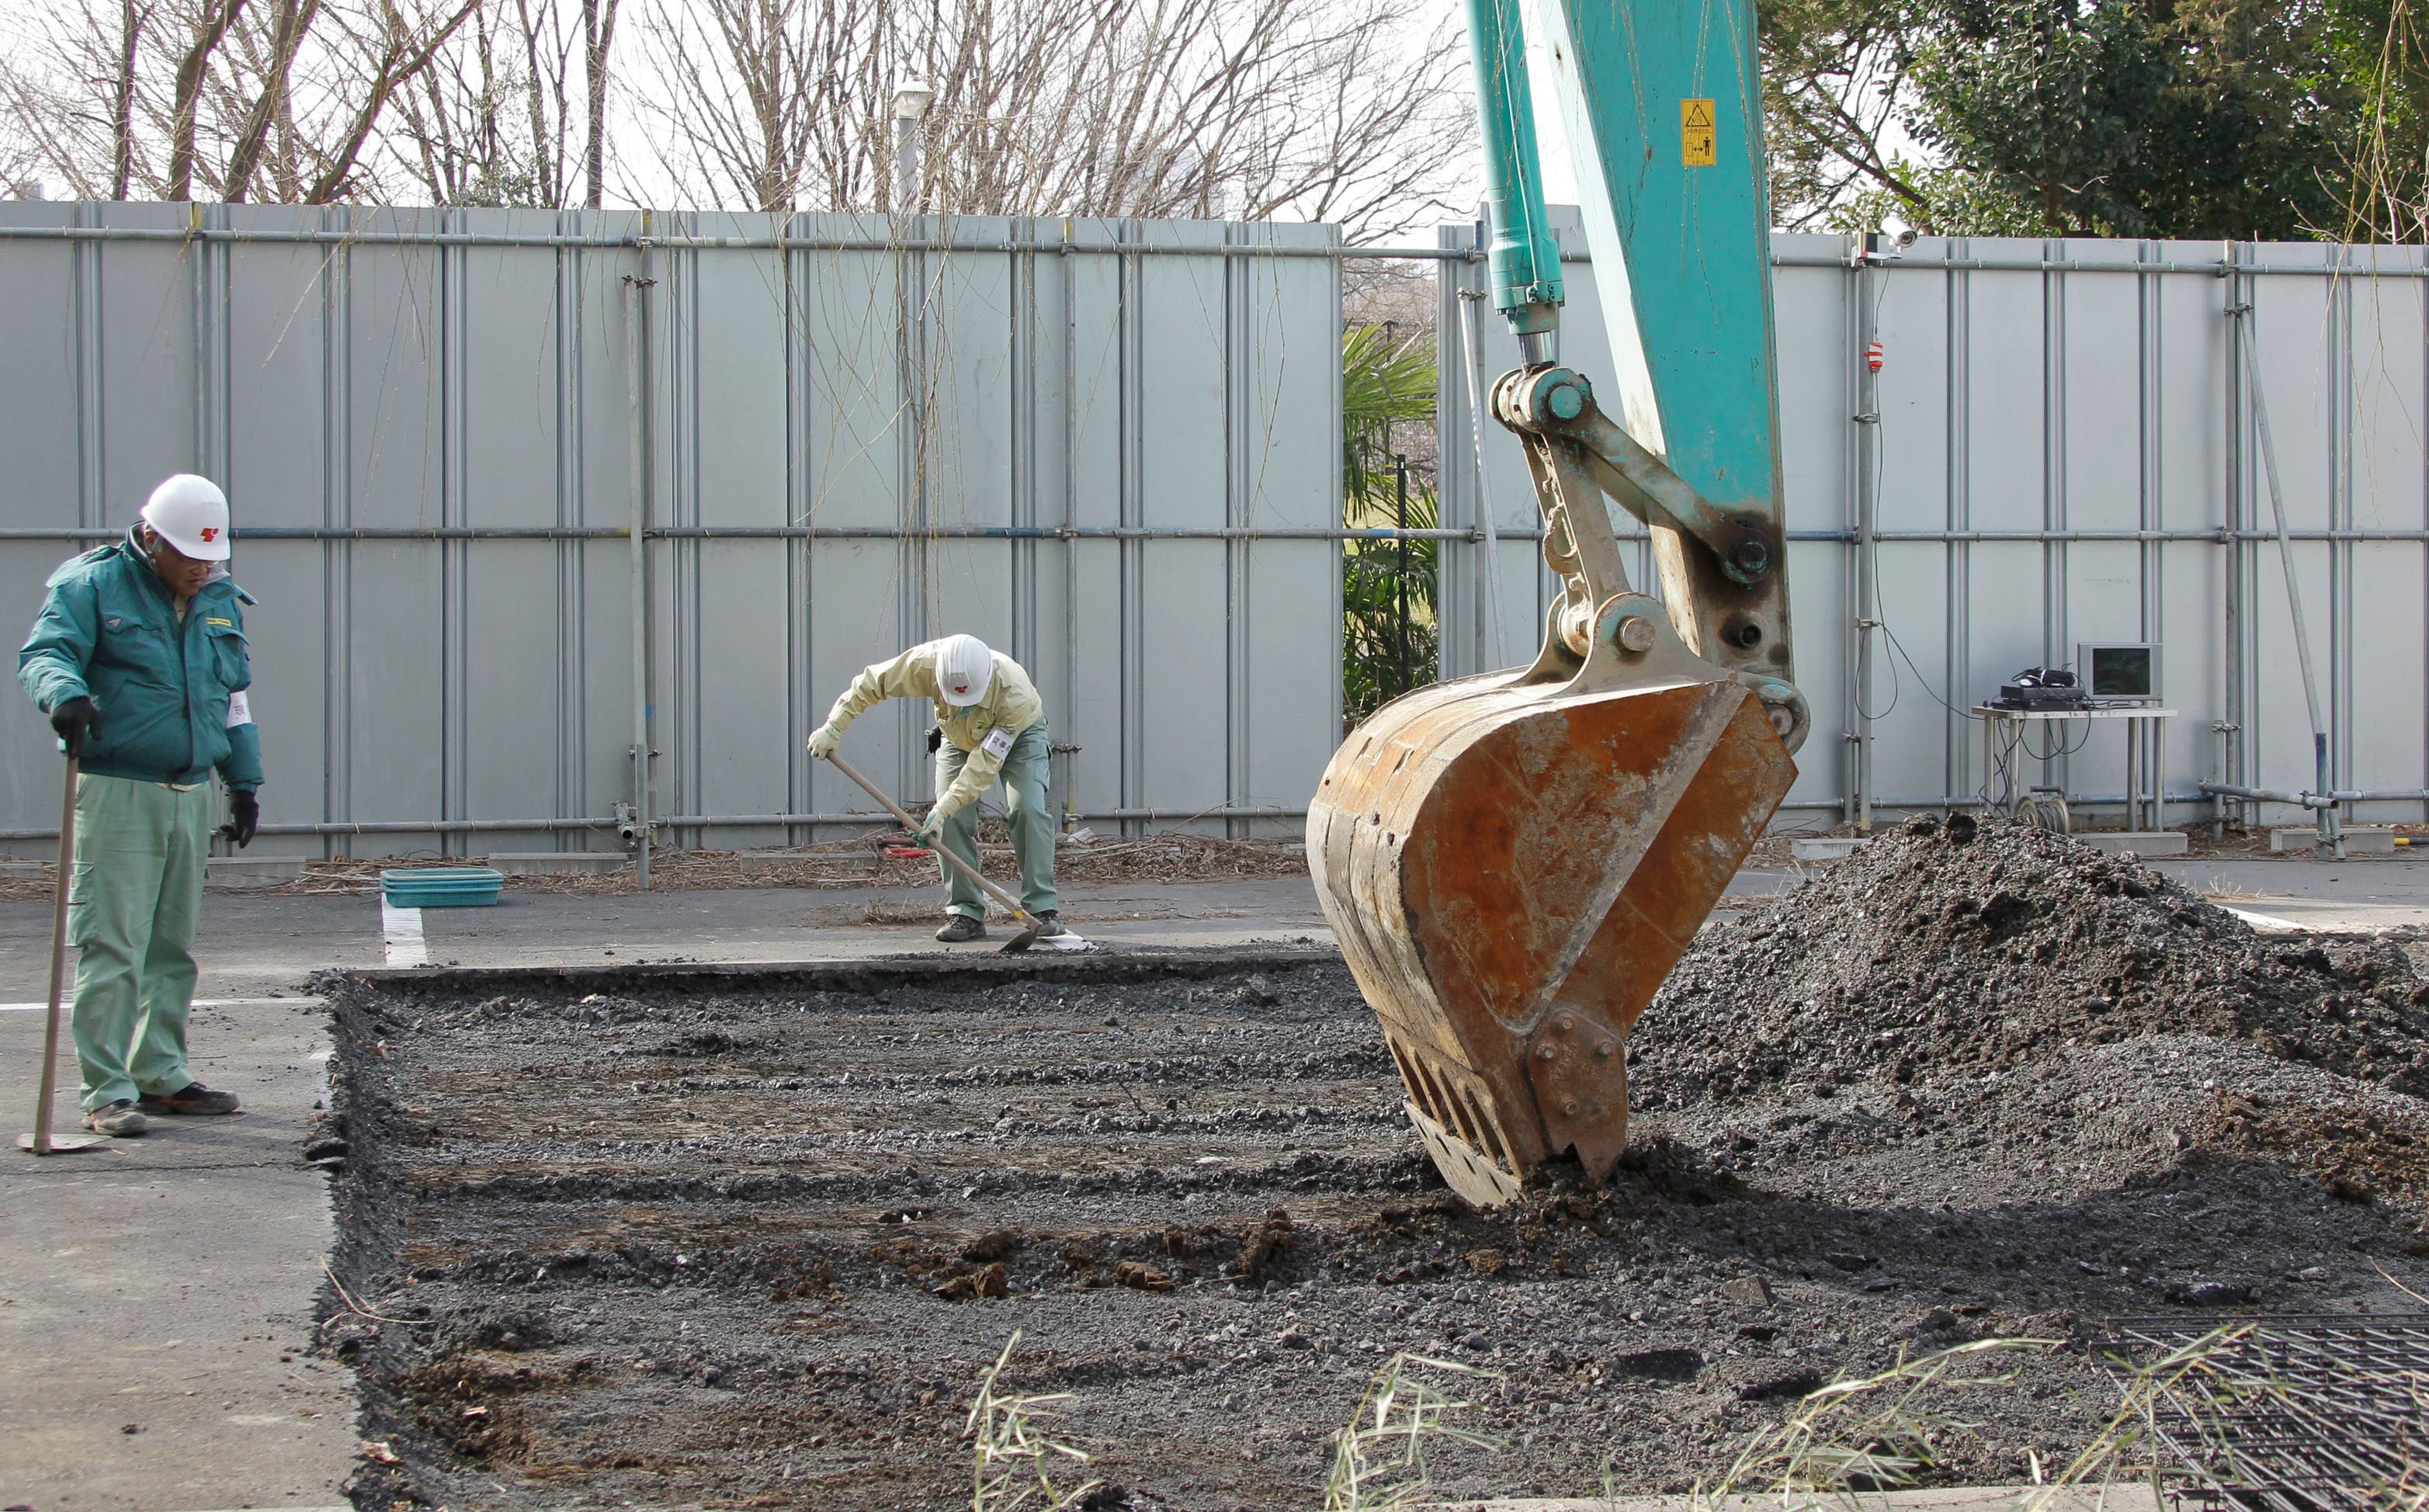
40	1142
1018	943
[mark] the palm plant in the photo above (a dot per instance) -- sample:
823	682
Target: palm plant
1389	633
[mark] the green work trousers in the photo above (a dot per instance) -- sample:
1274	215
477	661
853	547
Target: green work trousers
1033	827
138	887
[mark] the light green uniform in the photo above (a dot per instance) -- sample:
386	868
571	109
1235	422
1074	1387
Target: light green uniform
171	691
132	907
1004	735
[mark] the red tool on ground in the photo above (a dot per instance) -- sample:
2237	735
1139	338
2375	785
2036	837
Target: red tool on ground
40	1140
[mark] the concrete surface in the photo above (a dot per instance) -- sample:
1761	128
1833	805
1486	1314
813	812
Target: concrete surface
2148	843
2359	841
157	1294
2362	896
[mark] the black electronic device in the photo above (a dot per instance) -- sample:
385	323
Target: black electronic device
2041	688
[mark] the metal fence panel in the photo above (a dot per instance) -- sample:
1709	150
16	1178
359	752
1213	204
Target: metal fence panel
854	433
2067	450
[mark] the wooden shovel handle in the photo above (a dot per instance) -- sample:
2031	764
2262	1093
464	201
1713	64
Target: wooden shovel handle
913	825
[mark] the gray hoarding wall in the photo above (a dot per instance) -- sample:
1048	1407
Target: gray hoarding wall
2064	446
1109	448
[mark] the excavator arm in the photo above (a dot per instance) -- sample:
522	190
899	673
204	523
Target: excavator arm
1514	862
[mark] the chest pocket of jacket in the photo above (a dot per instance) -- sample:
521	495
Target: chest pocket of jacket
131	640
230	663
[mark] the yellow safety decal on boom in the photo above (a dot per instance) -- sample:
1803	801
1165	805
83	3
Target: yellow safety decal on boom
1696	145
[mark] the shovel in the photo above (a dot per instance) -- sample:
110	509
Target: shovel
1012	946
40	1142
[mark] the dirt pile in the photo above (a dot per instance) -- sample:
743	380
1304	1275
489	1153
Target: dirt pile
1945	947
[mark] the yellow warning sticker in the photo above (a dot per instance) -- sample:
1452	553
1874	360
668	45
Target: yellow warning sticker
1696	145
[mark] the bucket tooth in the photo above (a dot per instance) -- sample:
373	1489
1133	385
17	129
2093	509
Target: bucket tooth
1512	867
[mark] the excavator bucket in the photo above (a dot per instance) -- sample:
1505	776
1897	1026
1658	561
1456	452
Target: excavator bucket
1514	862
1512	870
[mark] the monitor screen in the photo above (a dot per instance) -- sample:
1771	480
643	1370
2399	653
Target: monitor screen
2119	672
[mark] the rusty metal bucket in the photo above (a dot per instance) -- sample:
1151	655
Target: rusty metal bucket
1512	864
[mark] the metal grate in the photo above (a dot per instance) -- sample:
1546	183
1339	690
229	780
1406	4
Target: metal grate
2290	1414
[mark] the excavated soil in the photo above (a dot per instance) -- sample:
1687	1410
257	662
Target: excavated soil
680	1238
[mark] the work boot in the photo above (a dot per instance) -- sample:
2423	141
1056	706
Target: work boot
961	926
195	1098
1050	924
119	1120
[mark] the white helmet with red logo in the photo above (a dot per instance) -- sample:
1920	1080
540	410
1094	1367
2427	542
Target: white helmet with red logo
190	514
964	667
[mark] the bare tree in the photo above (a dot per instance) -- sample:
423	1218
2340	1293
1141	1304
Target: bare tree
1324	108
513	110
207	26
393	49
227	99
474	130
292	21
121	99
69	100
598	42
1348	110
756	85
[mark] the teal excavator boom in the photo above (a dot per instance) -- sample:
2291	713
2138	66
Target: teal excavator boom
1514	862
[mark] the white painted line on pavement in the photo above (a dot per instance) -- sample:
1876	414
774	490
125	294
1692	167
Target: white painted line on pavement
2271	924
401	930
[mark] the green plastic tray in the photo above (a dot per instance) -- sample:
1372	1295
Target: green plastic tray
442	887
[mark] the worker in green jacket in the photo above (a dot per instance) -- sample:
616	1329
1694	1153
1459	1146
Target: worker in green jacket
989	722
138	659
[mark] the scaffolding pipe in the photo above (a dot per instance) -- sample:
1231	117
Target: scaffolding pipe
1907	263
1071	725
637	478
689	821
737	821
1867	422
2330	836
1486	527
1480	532
2314	800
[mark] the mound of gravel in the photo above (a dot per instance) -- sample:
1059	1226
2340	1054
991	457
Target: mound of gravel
1958	948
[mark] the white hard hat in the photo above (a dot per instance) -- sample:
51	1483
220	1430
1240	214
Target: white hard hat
190	514
964	667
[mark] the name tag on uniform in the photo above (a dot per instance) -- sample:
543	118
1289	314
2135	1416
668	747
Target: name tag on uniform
223	624
997	743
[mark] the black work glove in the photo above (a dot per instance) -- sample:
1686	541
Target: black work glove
936	739
78	720
244	817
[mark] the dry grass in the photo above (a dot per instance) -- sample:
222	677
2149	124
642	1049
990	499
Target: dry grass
30	886
1013	1460
858	863
1870	1434
1378	1460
